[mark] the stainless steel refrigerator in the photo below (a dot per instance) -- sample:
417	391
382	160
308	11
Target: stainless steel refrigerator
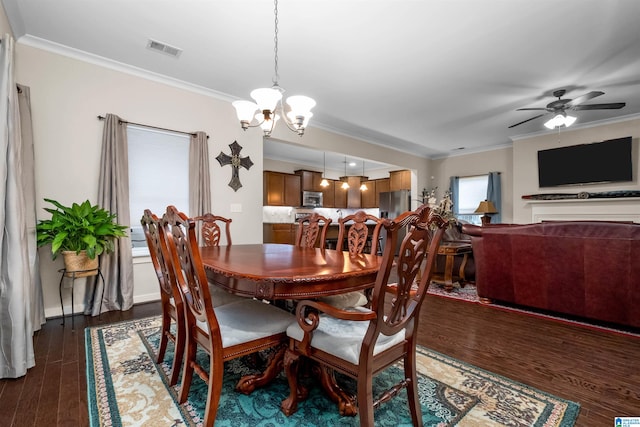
392	204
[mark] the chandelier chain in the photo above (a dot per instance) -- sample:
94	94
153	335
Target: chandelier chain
276	77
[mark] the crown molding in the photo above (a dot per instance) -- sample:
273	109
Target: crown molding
32	41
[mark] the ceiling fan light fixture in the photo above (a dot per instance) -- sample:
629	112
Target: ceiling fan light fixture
561	119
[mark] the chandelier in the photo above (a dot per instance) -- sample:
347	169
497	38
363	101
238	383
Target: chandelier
268	107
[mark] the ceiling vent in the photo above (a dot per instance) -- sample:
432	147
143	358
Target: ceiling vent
164	48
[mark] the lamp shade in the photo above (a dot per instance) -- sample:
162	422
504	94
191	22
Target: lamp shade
245	110
267	98
486	207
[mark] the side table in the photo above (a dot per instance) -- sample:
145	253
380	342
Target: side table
450	250
73	275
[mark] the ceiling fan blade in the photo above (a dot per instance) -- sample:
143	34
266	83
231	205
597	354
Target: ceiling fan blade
532	109
584	98
611	106
525	121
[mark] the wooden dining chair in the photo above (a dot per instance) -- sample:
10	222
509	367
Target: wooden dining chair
210	229
355	237
225	332
171	302
362	342
309	227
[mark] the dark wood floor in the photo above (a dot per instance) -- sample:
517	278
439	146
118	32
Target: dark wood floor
599	370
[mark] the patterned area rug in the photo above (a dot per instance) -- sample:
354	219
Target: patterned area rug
126	388
469	293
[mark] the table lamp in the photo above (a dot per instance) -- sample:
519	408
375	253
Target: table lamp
486	207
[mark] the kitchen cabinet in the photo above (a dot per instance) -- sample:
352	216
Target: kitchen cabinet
279	233
310	180
340	196
368	197
382	186
400	180
281	189
328	194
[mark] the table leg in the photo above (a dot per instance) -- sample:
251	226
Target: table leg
249	383
448	273
463	264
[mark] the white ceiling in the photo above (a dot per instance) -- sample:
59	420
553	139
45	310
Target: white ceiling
426	76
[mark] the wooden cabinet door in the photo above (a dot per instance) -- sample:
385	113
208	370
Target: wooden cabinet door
310	180
281	189
368	197
280	233
273	193
400	180
292	190
328	195
382	186
340	195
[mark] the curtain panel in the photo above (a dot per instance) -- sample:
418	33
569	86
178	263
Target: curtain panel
21	304
113	195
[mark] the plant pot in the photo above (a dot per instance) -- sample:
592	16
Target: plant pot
79	264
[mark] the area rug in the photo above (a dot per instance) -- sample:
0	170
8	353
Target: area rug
126	388
469	293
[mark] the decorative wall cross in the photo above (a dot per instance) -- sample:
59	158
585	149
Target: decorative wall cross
235	161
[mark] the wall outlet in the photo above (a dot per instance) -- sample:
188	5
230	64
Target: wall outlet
236	207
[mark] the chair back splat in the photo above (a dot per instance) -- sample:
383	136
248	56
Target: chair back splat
172	307
354	230
210	227
309	228
360	342
225	332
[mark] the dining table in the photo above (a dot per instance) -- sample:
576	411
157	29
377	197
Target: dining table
278	272
273	271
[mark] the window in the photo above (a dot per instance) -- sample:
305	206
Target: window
158	176
471	191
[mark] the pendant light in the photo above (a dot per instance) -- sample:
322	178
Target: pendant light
268	103
363	186
345	184
324	182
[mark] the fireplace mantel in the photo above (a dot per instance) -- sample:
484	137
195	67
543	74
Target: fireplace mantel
603	209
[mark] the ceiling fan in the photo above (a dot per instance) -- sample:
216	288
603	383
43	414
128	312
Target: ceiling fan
560	106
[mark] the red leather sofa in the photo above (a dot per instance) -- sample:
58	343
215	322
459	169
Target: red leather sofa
589	269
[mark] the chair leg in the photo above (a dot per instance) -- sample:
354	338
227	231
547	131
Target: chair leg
365	400
412	388
178	352
297	392
165	330
187	370
214	392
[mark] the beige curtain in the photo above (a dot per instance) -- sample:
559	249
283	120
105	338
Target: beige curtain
199	178
113	195
21	305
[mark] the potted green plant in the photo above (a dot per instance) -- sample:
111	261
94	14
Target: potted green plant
80	232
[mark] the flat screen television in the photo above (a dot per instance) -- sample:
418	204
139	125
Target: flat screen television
606	161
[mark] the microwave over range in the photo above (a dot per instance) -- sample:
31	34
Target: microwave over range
312	199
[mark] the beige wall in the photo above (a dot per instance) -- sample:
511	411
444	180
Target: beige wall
499	160
525	161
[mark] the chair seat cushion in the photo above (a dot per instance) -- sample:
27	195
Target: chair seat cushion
348	300
249	319
343	338
221	297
